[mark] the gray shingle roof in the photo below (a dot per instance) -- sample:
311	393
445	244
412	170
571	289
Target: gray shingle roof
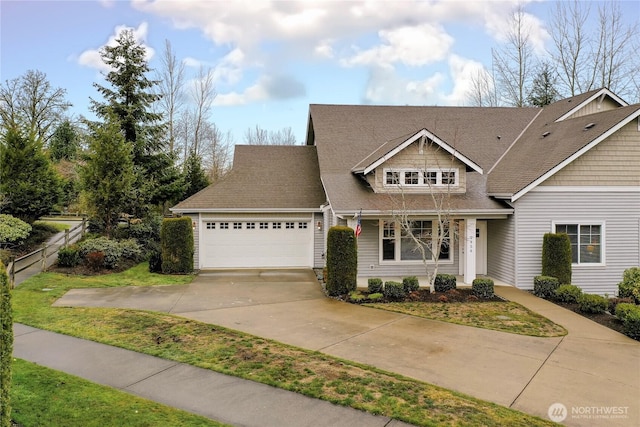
264	178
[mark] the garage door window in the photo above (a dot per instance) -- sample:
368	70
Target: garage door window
276	225
251	226
237	225
290	225
211	225
224	225
264	225
302	225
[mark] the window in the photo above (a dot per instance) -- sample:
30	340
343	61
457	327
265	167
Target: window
276	225
289	225
264	225
424	178
586	242
211	225
303	225
397	243
224	225
251	225
237	225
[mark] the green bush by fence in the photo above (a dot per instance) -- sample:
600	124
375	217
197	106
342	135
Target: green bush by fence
176	241
6	347
342	261
556	257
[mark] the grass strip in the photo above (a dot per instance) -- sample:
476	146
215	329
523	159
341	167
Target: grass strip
231	352
45	397
503	316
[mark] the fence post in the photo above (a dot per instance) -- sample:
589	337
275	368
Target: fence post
44	257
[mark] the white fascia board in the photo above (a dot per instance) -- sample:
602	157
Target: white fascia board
577	154
586	189
246	210
602	92
414	138
461	213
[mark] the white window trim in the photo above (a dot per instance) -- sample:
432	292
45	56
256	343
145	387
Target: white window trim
603	246
398	237
421	181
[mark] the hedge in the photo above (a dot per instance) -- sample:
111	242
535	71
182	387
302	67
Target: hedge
394	290
342	261
568	293
375	285
629	314
545	286
69	256
482	288
176	242
410	284
556	257
6	347
112	250
444	282
588	303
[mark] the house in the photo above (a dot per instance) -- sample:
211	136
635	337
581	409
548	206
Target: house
503	176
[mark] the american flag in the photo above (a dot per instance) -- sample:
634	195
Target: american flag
359	224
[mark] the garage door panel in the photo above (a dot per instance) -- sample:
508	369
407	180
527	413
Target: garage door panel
231	243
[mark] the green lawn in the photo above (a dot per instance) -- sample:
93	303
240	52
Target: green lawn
45	397
213	347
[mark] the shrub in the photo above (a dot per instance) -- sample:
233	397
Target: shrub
630	285
69	256
545	286
176	240
374	285
110	250
629	314
155	262
588	303
130	249
556	256
444	282
410	284
568	293
95	260
356	296
6	347
394	290
482	288
342	261
12	230
376	296
5	256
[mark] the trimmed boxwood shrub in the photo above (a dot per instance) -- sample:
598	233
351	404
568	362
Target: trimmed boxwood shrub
342	261
556	257
6	346
568	293
629	314
112	250
69	256
410	284
630	285
545	286
394	290
589	303
374	285
176	241
444	282
482	288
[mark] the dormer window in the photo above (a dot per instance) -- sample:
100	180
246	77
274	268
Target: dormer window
422	178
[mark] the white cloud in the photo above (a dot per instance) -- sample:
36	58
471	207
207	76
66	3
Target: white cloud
91	57
267	87
386	87
324	49
462	71
415	46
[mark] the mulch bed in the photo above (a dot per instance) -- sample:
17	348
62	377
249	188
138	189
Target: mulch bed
424	295
604	319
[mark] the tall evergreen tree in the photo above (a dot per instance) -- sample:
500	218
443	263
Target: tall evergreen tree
107	176
64	143
195	178
29	185
543	90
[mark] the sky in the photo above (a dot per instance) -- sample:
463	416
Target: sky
271	59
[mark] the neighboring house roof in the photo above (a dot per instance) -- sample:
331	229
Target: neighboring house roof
548	145
264	178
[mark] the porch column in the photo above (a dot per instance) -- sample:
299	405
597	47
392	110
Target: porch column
470	250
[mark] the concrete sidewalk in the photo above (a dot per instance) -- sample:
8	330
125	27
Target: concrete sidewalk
220	397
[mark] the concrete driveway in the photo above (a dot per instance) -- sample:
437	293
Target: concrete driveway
592	372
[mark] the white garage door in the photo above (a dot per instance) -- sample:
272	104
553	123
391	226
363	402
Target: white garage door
249	243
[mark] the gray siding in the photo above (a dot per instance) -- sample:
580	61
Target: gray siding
318	241
501	254
369	259
620	212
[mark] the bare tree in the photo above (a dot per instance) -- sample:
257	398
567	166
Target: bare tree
171	87
259	136
216	152
203	93
482	92
512	63
30	102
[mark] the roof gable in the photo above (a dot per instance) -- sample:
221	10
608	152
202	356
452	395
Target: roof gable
390	148
599	94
